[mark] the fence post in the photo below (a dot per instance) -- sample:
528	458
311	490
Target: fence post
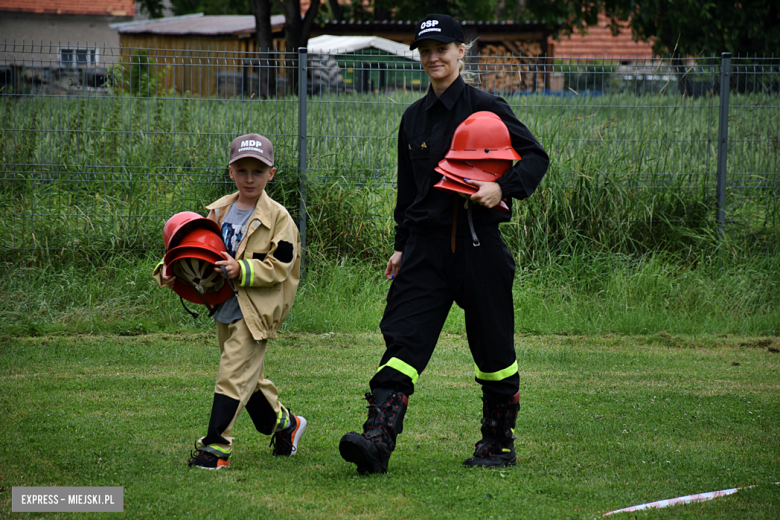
302	88
723	138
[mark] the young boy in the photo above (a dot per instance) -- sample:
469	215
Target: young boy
263	260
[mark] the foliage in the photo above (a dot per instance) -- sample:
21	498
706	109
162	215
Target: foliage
623	179
142	76
686	27
690	27
564	290
217	7
156	8
418	9
152	8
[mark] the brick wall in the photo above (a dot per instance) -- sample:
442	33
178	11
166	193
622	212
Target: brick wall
599	43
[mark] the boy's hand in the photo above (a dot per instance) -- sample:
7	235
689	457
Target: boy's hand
233	268
167	281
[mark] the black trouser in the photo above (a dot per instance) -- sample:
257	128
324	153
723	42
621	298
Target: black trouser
479	279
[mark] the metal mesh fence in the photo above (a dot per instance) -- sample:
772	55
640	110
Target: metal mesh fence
100	146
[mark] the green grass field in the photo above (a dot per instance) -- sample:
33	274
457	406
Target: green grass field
607	421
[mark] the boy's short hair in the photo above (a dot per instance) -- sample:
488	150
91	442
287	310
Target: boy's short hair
252	145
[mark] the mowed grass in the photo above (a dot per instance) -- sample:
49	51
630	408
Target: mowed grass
606	421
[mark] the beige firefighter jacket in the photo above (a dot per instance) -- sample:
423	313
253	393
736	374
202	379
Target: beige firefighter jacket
270	259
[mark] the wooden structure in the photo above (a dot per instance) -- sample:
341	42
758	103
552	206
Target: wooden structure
206	55
203	55
505	57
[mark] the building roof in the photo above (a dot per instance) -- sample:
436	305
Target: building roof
403	31
197	24
89	7
600	44
409	27
329	44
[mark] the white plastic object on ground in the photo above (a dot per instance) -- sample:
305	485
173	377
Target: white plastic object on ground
688	499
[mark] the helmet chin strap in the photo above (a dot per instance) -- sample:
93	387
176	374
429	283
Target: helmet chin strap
193	314
232	286
474	239
212	308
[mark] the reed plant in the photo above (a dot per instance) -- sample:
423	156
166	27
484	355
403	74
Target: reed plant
91	178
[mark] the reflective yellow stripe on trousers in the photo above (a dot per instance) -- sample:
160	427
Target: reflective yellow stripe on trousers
403	367
496	376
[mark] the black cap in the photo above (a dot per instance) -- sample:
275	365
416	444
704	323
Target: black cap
439	27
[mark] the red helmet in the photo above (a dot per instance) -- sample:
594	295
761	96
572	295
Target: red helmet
483	135
455	184
487	170
193	263
182	223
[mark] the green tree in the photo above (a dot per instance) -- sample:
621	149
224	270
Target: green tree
154	8
417	9
692	27
675	27
225	7
182	7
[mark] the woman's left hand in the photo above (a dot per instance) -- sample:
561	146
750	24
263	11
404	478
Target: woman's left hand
488	195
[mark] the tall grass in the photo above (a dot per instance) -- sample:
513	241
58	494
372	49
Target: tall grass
87	178
578	293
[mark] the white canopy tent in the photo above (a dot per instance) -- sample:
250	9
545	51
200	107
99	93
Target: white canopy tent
327	44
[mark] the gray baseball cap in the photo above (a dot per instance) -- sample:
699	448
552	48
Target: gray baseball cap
252	145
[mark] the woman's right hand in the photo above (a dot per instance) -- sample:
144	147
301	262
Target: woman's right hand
393	265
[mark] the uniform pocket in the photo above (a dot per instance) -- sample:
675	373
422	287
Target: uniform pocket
419	156
256	254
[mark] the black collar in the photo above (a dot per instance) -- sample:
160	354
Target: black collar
448	97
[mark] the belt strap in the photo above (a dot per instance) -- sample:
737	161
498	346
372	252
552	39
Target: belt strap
474	239
455	202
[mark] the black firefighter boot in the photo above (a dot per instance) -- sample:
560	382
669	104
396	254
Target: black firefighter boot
496	449
371	450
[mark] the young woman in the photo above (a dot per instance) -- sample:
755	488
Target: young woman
437	261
